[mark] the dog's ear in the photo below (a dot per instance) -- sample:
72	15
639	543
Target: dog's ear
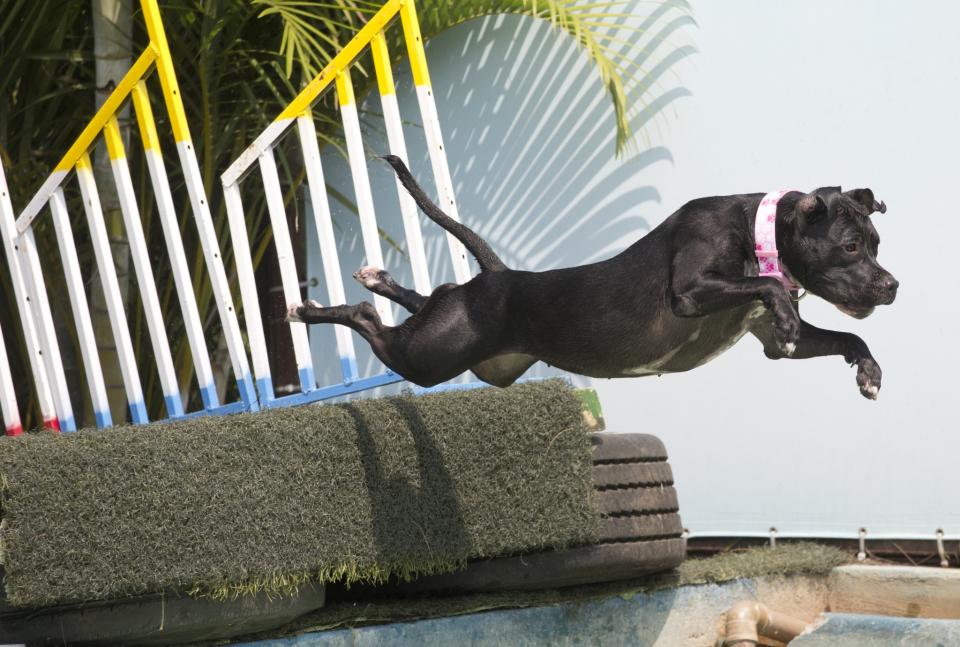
810	208
827	192
865	198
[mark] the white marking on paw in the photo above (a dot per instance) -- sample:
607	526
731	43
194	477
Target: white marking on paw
872	391
368	276
789	348
292	314
292	310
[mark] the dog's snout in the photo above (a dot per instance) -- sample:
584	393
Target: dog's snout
889	286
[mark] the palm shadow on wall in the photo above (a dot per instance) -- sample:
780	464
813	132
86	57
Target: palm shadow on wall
530	137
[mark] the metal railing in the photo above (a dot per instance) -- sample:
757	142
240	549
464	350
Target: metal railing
24	258
336	76
26	273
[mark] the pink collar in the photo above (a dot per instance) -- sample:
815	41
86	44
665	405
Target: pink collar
765	235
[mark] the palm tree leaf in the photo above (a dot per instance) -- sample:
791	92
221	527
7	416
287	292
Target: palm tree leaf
313	31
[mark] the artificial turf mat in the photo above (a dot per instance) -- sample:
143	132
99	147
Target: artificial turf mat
786	560
262	502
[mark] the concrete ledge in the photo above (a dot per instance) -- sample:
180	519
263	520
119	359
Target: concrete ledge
693	615
689	616
905	591
880	631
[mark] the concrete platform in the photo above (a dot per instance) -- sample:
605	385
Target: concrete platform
689	616
882	605
905	591
852	630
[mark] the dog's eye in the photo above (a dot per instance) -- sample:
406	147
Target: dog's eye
850	247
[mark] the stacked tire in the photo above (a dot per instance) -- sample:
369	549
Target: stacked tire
640	519
640	530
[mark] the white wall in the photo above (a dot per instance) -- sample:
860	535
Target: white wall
792	94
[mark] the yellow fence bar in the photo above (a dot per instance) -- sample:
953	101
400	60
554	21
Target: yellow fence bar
168	78
411	30
345	89
111	133
381	64
110	108
341	61
145	120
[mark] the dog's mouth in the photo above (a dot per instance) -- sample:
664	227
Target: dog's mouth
857	312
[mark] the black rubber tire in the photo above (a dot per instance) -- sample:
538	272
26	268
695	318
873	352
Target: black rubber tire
612	475
658	498
136	621
587	565
637	527
640	528
613	447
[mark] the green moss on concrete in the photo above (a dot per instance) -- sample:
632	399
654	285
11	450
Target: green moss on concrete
263	502
785	559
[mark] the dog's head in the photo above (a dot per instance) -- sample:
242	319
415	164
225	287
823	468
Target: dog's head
832	250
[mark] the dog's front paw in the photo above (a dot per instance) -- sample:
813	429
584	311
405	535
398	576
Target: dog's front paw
787	331
868	378
369	276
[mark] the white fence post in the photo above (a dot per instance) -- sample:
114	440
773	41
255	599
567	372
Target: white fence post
81	310
8	232
111	291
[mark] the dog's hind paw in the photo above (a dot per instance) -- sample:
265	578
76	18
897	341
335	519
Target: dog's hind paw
789	349
295	310
293	313
369	276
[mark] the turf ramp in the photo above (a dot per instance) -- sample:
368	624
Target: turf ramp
264	502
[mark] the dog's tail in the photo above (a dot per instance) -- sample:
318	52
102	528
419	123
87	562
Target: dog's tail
486	258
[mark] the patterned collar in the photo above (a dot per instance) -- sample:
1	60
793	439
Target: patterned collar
765	237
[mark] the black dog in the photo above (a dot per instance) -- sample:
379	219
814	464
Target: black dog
672	301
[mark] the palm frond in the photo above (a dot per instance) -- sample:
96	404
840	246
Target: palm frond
606	31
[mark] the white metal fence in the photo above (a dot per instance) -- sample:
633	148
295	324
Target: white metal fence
26	267
261	153
26	273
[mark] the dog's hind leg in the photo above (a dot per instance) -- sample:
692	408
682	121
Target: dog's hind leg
362	318
380	282
390	344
